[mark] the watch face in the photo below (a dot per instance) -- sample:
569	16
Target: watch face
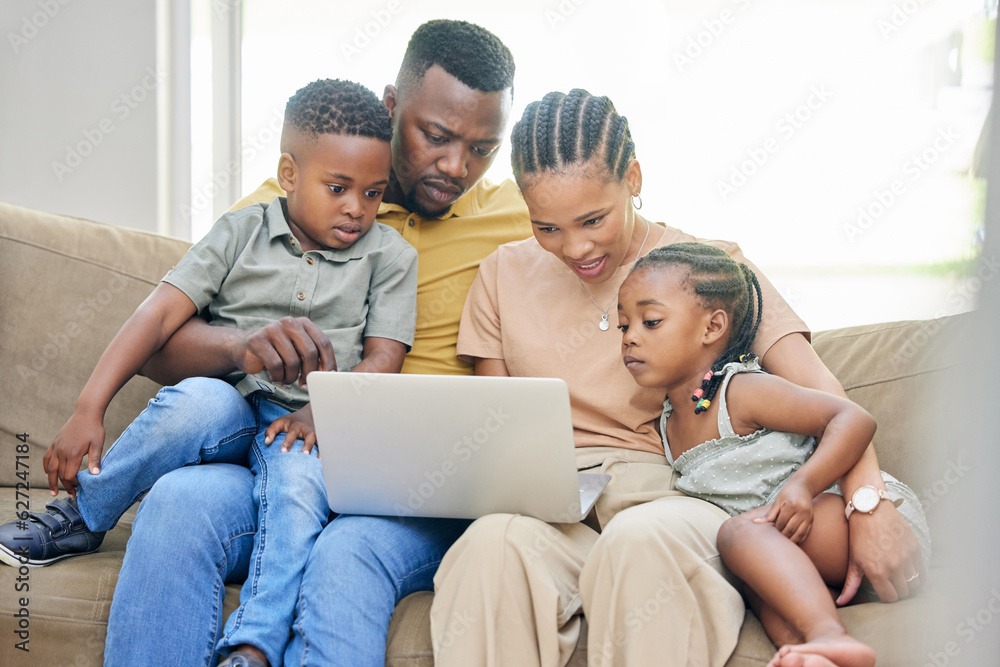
865	499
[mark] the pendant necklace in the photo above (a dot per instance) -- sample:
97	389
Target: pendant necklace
604	325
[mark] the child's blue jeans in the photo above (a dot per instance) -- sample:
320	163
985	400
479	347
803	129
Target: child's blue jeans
207	420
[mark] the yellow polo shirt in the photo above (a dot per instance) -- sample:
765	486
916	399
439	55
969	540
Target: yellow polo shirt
449	250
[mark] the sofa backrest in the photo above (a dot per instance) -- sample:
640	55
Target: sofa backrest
69	284
903	373
67	287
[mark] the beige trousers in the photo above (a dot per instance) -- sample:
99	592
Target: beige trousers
651	584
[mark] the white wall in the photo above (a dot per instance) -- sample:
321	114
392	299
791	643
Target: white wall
78	131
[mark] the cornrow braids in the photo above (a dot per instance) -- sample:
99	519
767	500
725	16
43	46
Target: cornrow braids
718	282
335	106
546	124
614	158
562	131
594	123
522	136
569	143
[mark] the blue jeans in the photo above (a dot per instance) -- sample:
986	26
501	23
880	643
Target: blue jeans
194	534
168	609
358	571
207	420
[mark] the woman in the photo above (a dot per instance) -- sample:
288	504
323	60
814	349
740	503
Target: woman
645	570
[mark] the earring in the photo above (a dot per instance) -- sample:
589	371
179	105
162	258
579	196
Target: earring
639	197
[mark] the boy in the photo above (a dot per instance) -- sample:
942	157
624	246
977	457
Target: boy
316	254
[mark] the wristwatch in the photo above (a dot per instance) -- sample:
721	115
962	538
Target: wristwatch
866	499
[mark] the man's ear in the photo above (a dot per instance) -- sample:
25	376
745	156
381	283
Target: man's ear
390	97
287	171
716	327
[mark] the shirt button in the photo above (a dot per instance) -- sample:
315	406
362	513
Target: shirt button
292	240
310	261
301	296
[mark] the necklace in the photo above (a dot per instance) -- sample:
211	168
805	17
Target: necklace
604	325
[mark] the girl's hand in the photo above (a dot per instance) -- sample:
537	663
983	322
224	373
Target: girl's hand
82	435
791	512
296	425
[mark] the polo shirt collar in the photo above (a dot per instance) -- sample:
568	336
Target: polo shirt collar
466	204
277	226
274	216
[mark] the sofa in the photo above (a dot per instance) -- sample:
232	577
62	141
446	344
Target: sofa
69	284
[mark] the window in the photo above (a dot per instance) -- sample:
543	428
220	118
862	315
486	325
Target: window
834	141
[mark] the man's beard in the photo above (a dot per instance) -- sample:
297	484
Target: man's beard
413	205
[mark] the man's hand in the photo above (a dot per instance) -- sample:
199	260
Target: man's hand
82	434
883	548
296	425
288	350
791	512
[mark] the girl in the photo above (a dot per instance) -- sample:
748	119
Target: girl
748	444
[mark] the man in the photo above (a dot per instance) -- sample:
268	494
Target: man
449	108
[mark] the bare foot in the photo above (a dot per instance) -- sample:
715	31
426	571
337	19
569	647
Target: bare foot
801	660
836	651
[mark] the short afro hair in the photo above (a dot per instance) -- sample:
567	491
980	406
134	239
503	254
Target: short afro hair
335	106
470	53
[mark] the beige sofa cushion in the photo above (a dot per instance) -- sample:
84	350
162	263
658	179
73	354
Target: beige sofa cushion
68	285
897	371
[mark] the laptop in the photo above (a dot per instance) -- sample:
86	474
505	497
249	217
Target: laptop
447	446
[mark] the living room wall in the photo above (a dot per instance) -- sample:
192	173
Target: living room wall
78	124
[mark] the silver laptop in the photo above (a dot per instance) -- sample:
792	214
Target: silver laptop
449	446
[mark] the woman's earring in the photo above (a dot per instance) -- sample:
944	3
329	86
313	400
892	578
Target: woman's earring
639	197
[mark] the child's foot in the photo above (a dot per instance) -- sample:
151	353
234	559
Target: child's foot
839	650
803	660
47	537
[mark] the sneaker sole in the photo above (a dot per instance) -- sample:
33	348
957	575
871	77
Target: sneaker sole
8	557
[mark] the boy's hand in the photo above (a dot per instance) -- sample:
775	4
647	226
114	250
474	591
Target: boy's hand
791	512
296	425
288	350
82	434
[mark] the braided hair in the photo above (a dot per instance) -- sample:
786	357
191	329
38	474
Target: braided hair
719	283
335	106
560	131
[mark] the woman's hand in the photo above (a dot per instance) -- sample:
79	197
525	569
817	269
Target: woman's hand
82	435
883	547
792	511
296	425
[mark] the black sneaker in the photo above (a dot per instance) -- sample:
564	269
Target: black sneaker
241	658
45	538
